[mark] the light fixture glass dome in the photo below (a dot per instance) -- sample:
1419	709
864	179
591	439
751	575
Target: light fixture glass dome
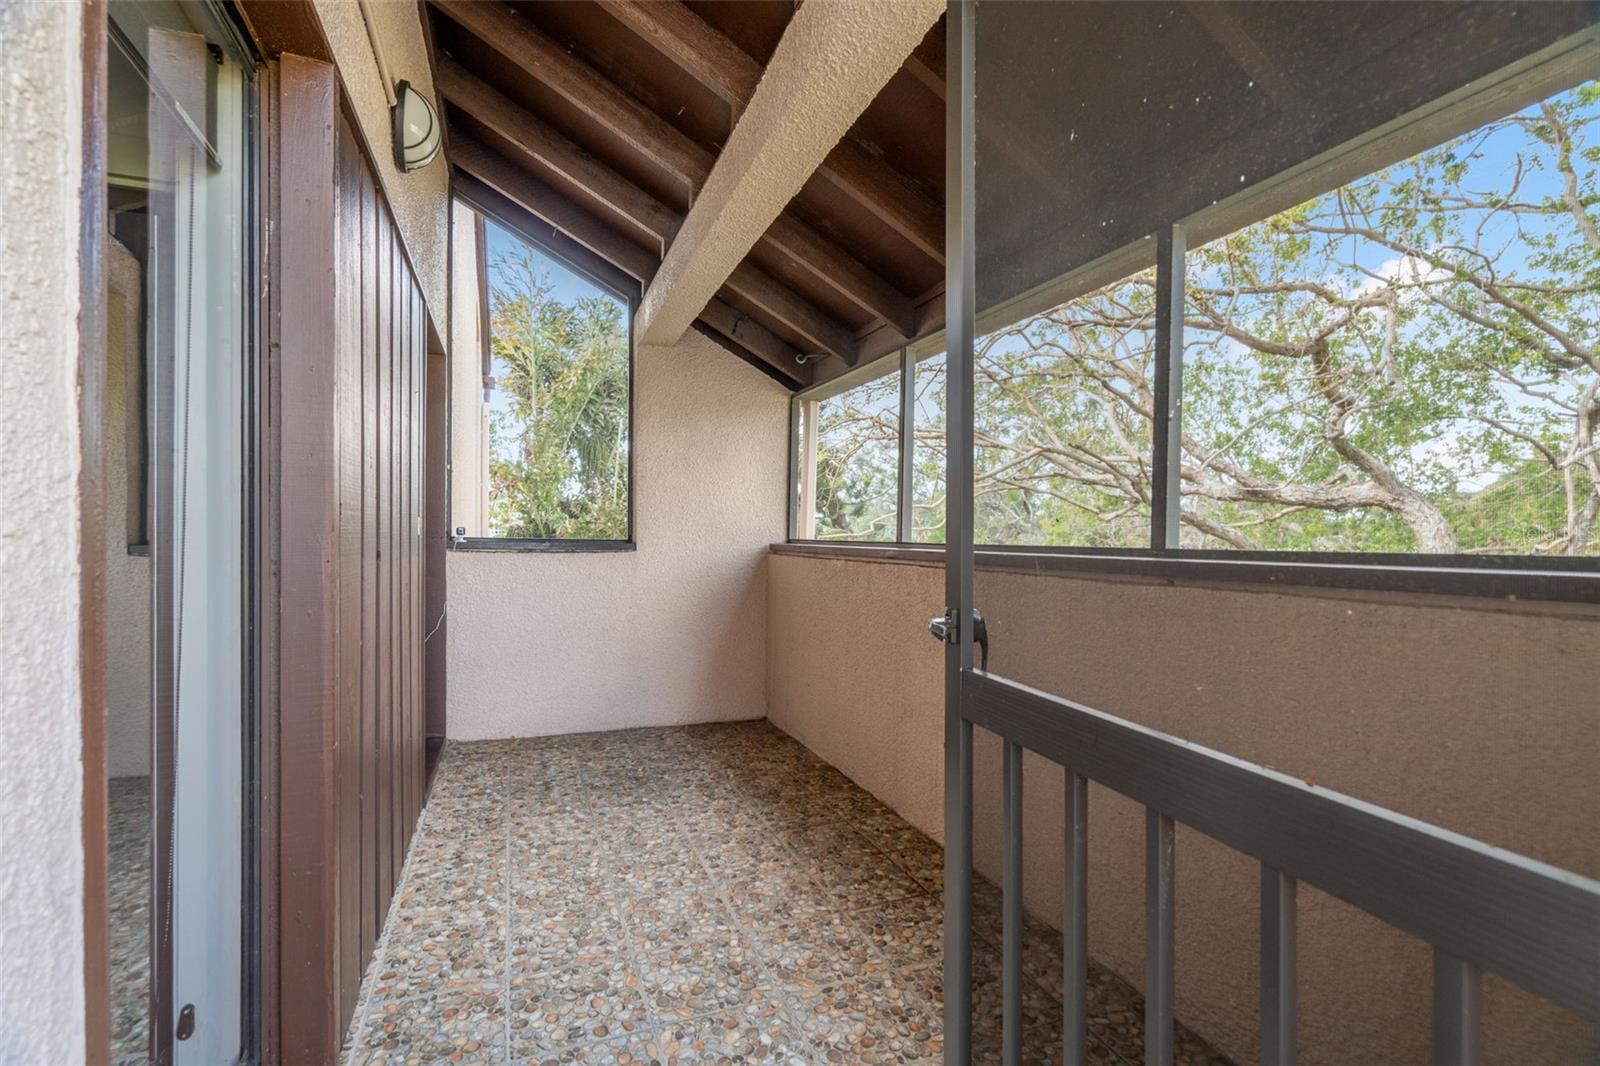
416	128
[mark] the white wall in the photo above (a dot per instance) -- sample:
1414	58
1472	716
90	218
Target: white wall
673	632
469	415
41	770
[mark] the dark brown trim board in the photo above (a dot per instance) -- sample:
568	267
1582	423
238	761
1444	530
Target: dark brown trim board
306	320
281	26
267	442
91	536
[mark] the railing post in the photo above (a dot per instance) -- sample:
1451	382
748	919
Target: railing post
1456	987
1075	925
1011	924
1278	993
960	208
1158	938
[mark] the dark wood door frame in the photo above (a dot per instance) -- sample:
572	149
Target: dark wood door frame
299	515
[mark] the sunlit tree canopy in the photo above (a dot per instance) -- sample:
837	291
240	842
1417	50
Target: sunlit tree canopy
558	416
1407	363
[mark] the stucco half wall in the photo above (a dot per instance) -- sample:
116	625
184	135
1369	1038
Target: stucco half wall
1476	716
41	762
673	632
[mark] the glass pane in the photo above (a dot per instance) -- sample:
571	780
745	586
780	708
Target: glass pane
180	174
853	463
1408	363
1062	431
556	400
928	451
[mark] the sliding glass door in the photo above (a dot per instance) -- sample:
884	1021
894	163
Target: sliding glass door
180	183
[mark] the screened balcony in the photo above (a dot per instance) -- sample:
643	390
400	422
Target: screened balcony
854	533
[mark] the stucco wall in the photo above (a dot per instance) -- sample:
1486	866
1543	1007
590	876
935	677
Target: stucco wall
1480	718
419	200
41	771
469	415
127	623
670	633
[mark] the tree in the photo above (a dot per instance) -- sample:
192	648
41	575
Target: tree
558	423
1407	363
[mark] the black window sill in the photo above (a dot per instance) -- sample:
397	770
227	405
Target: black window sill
539	547
1494	577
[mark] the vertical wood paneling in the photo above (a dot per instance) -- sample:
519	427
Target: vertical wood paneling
410	557
347	764
367	275
404	548
419	451
346	471
393	446
381	355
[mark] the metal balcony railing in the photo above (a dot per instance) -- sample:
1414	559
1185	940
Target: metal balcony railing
1481	908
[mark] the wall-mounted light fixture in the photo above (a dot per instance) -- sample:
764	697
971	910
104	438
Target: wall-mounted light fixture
414	124
416	128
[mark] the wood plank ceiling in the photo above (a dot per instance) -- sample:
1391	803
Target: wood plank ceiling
603	119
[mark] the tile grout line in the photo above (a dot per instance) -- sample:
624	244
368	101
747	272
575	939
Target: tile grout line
505	917
759	948
652	1023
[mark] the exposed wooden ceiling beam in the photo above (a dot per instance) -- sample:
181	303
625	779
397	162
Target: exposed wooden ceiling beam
694	46
709	57
830	65
770	296
831	266
644	131
660	142
539	141
758	340
517	185
821	331
659	222
888	194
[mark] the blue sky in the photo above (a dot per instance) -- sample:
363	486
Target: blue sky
565	285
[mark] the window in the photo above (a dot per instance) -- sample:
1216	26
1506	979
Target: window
542	426
1062	401
927	464
1406	364
1410	362
849	443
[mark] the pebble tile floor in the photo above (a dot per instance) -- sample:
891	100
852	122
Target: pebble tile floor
705	894
128	887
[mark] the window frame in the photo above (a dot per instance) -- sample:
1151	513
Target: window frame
1514	577
489	205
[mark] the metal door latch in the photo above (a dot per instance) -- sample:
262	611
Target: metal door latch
185	1022
946	629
